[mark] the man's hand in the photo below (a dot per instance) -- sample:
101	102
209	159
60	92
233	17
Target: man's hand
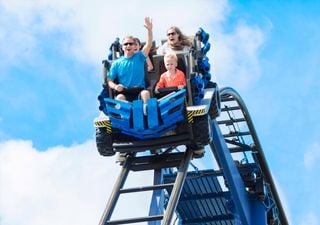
148	23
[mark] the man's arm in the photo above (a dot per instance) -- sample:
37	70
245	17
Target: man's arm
113	85
148	24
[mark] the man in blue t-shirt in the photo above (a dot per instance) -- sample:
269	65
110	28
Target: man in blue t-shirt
128	70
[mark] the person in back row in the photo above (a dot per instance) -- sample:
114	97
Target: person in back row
128	70
173	77
176	42
148	60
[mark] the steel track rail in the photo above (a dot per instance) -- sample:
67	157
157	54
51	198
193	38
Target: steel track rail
228	92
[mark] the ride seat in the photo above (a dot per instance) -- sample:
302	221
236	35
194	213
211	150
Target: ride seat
159	68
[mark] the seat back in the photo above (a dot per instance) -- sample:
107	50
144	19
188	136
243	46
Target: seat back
159	68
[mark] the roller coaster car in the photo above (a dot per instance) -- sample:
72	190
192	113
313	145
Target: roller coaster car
174	117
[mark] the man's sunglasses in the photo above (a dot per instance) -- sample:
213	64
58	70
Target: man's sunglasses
128	43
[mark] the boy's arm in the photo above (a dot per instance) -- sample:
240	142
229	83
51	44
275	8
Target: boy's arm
160	84
183	81
146	48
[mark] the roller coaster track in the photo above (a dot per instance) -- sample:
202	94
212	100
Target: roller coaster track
245	195
245	141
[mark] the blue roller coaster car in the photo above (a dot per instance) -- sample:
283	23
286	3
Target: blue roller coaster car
177	117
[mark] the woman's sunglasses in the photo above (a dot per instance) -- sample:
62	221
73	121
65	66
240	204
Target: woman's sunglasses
172	33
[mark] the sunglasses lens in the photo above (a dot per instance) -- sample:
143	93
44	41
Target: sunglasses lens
173	33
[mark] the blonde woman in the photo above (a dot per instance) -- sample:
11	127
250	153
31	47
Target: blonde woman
176	42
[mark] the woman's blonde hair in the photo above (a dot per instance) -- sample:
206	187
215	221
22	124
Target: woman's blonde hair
183	40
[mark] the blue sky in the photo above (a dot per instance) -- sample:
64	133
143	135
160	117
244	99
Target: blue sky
50	63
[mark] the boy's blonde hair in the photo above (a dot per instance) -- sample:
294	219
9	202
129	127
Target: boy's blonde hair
171	55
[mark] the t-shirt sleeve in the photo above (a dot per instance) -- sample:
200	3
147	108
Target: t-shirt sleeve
182	78
141	56
112	75
161	82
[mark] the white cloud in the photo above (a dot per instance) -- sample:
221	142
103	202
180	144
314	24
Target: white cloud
310	219
64	185
312	156
236	58
89	27
93	24
59	186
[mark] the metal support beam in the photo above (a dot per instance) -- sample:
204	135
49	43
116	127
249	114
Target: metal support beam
157	200
177	188
235	184
114	195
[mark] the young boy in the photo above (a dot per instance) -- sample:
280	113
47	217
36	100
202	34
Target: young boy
173	77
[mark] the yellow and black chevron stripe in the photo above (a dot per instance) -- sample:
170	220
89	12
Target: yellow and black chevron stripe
190	116
104	123
196	112
199	112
